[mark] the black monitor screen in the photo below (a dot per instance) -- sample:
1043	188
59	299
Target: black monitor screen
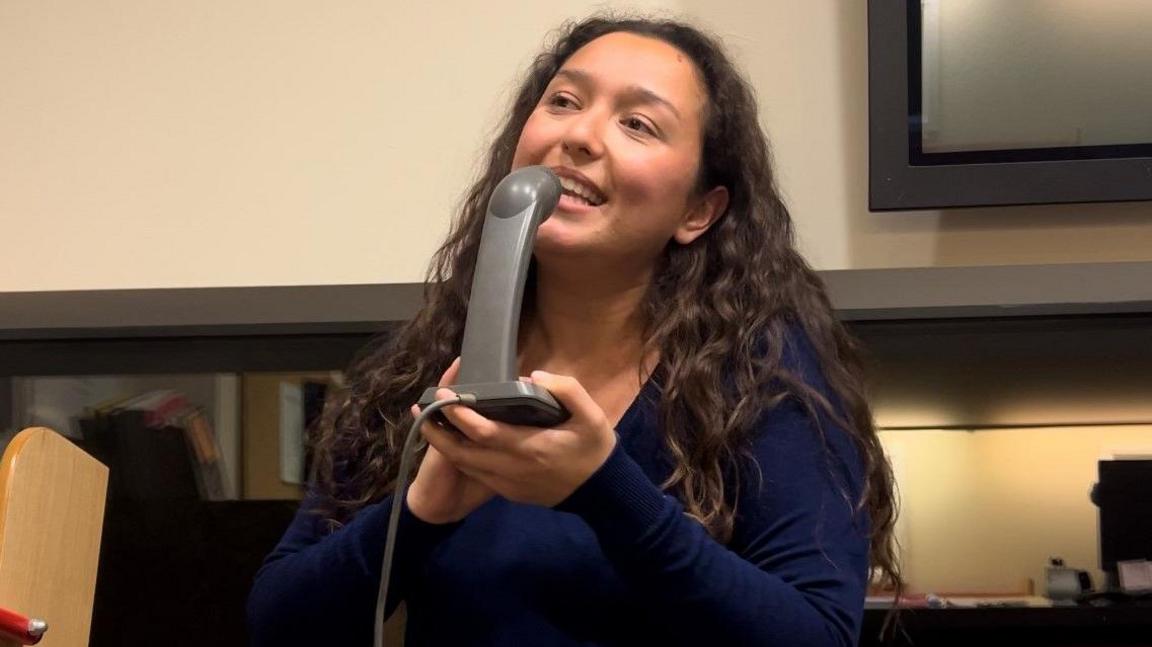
1001	81
990	102
1124	495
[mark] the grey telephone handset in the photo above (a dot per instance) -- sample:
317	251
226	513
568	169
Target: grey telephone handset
487	378
518	205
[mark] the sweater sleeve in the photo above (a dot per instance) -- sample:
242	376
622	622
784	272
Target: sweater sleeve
319	587
795	572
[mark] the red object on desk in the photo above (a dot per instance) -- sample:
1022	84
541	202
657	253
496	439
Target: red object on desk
26	631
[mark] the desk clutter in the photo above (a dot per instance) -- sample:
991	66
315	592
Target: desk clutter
1069	613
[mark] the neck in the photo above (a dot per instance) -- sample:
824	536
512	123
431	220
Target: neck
584	323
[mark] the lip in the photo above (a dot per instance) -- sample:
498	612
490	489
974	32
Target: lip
573	174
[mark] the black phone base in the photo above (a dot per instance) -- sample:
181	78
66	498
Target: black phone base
517	403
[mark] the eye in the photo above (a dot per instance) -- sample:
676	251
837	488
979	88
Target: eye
632	122
562	101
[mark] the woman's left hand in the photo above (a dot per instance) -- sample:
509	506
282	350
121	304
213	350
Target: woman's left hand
529	464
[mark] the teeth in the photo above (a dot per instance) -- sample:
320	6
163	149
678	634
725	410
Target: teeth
581	190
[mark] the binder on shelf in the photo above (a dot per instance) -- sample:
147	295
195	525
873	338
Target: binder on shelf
162	447
201	439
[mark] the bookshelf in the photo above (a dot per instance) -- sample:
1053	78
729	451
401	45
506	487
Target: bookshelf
1036	328
857	295
970	340
174	562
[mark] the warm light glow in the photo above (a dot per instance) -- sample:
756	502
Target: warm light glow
983	511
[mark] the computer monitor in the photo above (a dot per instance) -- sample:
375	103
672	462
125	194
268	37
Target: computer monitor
1124	496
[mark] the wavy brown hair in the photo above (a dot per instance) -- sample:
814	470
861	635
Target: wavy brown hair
720	311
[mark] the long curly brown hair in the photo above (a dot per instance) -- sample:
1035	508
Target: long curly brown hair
719	312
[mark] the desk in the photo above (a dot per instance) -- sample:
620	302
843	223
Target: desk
1129	624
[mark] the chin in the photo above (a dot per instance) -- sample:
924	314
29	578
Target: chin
554	245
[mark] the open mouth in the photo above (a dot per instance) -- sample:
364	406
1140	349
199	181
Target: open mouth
581	192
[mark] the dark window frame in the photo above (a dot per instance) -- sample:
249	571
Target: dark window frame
898	182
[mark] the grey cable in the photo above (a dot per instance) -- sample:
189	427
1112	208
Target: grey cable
406	456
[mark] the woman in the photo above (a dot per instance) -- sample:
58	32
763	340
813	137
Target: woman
719	482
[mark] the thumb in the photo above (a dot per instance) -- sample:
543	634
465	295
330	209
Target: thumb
450	375
569	392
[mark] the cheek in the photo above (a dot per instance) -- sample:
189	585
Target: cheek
532	145
664	181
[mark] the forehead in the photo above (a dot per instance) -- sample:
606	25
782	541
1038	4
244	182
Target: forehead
624	59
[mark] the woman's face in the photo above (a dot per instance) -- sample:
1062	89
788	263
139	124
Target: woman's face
621	124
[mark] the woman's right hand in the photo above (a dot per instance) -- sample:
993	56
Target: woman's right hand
440	493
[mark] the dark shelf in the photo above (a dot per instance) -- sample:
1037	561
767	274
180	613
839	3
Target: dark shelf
857	295
968	338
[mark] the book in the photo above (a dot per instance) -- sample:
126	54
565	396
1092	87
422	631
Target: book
158	445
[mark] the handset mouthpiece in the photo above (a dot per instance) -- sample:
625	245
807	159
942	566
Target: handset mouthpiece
521	189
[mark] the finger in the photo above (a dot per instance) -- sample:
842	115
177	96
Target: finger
469	422
446	441
570	393
453	443
463	453
450	375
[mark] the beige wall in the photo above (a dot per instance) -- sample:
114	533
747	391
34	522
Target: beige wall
983	511
170	144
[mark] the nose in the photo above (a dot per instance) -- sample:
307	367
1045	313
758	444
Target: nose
583	137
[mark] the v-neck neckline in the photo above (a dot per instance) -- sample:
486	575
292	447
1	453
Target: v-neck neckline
633	409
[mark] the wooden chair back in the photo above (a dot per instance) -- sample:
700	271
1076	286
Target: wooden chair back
52	498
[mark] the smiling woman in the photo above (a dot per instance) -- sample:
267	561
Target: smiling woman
719	481
623	118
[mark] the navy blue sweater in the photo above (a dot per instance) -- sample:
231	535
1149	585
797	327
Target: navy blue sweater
617	563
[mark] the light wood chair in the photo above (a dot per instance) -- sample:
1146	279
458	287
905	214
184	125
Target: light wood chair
52	497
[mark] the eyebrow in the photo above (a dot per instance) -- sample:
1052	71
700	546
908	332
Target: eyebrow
648	96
